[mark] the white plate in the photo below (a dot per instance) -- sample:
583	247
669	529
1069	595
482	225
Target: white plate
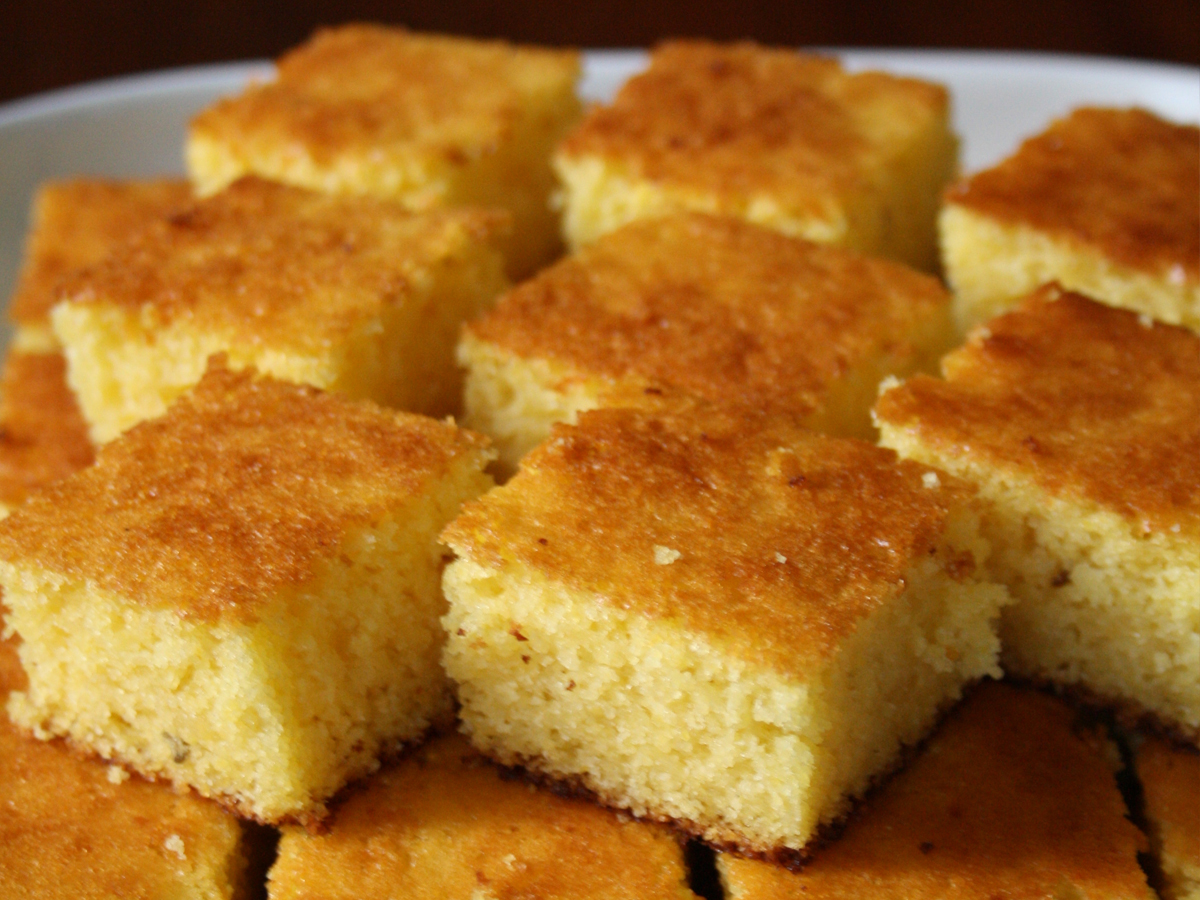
134	126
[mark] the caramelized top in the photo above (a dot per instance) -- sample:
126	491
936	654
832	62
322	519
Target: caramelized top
445	823
740	120
1122	181
1009	799
1170	779
239	490
770	540
278	265
43	436
1088	401
368	89
716	307
76	223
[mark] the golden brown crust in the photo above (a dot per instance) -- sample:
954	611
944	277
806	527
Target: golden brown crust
1170	778
444	822
235	493
42	434
76	223
1088	401
1121	181
369	89
716	307
277	265
766	538
741	119
1009	795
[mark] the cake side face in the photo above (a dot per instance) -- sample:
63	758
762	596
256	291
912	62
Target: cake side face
758	666
350	294
76	223
424	120
1104	201
789	141
712	307
1007	796
1170	779
445	823
1079	425
248	599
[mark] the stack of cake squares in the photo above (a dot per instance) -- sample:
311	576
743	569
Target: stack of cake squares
763	564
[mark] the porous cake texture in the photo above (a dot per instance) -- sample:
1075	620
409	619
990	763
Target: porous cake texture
1080	424
75	223
426	120
1170	779
76	829
791	141
715	617
714	307
1008	799
1104	201
445	824
42	435
349	294
243	595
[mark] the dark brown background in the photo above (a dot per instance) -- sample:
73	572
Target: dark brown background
53	43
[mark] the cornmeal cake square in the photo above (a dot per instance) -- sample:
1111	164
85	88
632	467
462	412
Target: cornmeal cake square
1080	423
715	616
426	120
243	595
1008	799
42	435
788	140
77	829
715	307
1170	779
444	824
350	294
1105	202
76	223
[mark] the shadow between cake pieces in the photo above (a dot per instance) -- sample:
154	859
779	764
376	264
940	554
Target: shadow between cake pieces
349	294
243	595
788	140
424	120
1080	425
709	306
715	617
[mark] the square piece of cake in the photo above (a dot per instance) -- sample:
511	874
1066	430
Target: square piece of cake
349	294
1105	202
788	140
425	120
1009	798
715	617
1080	423
243	595
715	307
445	824
1170	779
76	223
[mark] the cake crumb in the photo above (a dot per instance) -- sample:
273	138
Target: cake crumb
174	843
1145	321
931	480
117	775
780	558
664	556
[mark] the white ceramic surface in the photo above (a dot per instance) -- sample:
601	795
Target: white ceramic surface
134	126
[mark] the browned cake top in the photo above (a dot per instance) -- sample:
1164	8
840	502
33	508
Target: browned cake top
239	490
278	265
770	540
42	434
1122	181
76	223
716	307
1087	401
740	119
1170	777
1008	799
444	823
361	89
